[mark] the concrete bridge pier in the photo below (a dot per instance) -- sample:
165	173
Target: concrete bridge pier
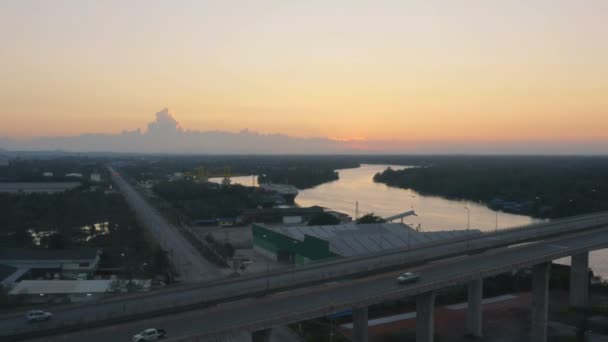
474	309
579	280
540	301
425	317
360	328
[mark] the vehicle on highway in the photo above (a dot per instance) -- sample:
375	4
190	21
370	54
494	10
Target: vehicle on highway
408	277
151	334
38	315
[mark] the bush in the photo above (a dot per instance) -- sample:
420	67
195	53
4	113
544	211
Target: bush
323	219
370	218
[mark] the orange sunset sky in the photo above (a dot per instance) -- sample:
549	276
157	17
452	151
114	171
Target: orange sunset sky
428	70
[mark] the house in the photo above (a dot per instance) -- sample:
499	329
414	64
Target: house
45	263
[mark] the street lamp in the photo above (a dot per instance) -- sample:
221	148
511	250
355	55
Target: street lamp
267	270
468	224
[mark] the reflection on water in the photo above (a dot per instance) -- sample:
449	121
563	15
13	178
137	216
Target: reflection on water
434	213
242	180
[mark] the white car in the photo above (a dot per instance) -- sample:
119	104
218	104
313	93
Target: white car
38	315
149	335
408	277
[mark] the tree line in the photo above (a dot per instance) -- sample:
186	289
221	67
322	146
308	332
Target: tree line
548	187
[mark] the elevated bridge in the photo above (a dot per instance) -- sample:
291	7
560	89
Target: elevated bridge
575	236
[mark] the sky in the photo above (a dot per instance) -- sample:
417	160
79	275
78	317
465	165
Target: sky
501	73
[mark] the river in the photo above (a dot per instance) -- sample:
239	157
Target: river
434	213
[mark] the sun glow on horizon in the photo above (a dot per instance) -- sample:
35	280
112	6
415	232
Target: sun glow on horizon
410	72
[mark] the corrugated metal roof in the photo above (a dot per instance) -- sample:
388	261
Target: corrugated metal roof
61	286
359	239
13	254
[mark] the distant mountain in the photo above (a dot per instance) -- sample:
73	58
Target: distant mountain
165	135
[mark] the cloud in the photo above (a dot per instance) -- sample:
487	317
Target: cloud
165	135
165	123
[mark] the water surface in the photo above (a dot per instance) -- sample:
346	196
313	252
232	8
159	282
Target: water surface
434	213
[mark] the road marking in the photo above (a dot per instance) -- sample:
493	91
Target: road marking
559	246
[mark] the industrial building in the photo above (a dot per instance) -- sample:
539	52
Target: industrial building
301	244
46	263
73	291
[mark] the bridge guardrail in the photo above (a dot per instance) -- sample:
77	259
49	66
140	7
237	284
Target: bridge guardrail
400	293
194	296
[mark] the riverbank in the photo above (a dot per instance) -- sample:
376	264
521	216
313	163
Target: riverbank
541	187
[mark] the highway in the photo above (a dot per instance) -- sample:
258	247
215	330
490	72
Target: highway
189	263
306	303
204	294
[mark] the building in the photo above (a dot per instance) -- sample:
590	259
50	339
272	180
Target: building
37	187
61	291
73	175
277	215
9	276
48	263
72	291
301	244
95	177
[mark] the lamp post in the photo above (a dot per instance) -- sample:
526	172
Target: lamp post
267	270
468	224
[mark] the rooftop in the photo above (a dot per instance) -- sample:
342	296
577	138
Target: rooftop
6	271
75	286
61	286
37	187
14	254
359	239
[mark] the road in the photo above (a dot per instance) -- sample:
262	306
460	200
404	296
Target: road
186	296
189	263
307	303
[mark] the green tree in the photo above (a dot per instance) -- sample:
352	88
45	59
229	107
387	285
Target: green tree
57	241
227	250
160	261
22	238
4	301
323	219
370	218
